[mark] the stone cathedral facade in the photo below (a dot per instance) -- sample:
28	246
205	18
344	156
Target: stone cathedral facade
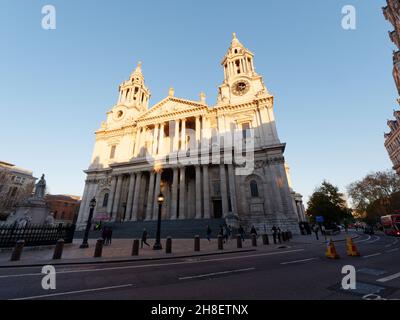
188	151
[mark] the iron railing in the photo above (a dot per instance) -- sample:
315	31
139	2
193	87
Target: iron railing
35	235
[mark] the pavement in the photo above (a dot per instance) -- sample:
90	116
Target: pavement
120	250
297	270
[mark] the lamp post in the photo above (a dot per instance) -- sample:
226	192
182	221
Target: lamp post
92	205
157	245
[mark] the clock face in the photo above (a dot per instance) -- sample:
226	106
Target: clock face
240	88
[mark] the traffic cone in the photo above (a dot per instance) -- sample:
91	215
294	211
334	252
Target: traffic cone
351	248
331	251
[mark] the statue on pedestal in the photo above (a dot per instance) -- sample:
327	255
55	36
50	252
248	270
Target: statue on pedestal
40	188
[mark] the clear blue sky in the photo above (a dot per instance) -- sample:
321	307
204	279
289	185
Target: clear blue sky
333	88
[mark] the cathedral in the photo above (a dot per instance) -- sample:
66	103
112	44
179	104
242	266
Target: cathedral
210	162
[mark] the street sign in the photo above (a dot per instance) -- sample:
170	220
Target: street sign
319	219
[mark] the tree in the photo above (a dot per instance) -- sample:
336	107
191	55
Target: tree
328	202
372	196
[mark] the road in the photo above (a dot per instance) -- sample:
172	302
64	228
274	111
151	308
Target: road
299	271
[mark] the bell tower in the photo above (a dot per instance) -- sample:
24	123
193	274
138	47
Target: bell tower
133	93
241	82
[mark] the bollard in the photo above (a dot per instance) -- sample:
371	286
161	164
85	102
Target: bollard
220	243
99	248
239	241
16	254
135	247
253	240
265	239
168	245
290	235
283	236
197	243
58	250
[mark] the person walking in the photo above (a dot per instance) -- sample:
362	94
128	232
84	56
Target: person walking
241	232
253	230
315	229
208	232
279	234
109	236
144	238
104	234
274	233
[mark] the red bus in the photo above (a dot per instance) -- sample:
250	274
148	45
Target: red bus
391	224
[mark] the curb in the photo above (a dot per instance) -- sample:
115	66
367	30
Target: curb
117	260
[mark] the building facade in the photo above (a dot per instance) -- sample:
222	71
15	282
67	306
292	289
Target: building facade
221	161
392	139
16	184
64	208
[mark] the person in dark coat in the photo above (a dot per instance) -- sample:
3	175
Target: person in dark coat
144	238
253	230
274	233
208	232
109	235
241	232
104	234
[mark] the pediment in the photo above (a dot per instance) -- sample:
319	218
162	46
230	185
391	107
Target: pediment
171	105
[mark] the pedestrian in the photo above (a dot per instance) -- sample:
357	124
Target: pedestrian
144	238
241	232
279	234
104	234
208	232
253	230
109	235
274	233
315	229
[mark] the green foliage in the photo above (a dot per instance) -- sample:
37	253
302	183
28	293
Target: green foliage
328	202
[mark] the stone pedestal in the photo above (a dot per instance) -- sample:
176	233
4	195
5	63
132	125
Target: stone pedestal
34	211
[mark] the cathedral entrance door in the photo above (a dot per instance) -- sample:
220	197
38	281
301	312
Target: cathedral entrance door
217	209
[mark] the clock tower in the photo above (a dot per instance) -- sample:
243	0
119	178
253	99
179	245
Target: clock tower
241	82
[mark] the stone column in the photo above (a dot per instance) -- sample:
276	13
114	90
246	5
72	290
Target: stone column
198	132
117	197
155	139
129	201
160	149
232	188
183	135
137	142
224	192
150	199
174	203
182	189
198	193
156	193
275	187
83	207
176	136
206	193
135	207
285	188
111	195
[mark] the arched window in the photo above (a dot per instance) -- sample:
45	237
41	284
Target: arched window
105	200
254	189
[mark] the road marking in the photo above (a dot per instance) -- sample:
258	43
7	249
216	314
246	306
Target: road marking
369	237
216	273
377	239
392	250
155	265
73	292
373	255
297	261
388	278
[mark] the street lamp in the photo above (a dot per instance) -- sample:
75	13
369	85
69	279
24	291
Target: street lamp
157	245
92	205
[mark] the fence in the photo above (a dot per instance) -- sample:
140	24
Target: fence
35	235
